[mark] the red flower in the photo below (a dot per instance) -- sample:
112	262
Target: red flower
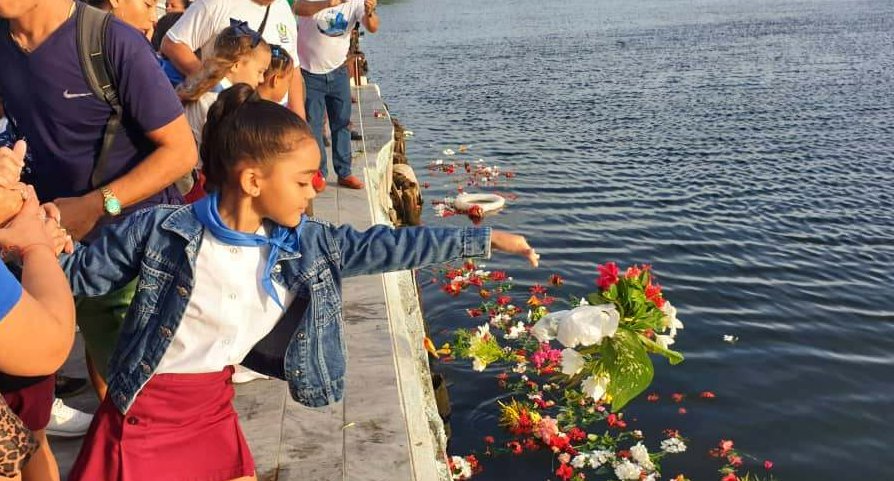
476	281
474	312
531	445
454	288
633	271
653	397
730	477
682	411
556	280
498	276
576	434
470	266
624	454
735	461
672	433
565	472
515	446
547	300
608	275
725	446
707	395
653	293
559	443
615	422
484	293
489	439
504	300
537	289
677	397
768	465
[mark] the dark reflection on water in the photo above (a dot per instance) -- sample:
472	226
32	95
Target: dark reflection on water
743	148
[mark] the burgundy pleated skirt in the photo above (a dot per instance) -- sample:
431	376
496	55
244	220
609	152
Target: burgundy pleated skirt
182	427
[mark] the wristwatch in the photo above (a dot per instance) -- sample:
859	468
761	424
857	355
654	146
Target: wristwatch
110	203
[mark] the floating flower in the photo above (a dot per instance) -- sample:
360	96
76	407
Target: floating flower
670	319
730	338
627	471
595	387
768	465
640	454
653	397
673	445
707	395
546	429
515	331
587	325
608	275
556	280
449	152
572	362
564	472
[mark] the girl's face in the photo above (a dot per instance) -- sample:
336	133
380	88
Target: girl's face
250	70
285	187
276	87
174	6
140	14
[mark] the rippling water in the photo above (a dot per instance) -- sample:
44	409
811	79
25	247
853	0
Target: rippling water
743	148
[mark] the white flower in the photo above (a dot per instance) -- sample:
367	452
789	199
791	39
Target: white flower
588	325
515	330
670	318
583	302
664	341
673	446
461	465
600	457
651	477
580	461
627	471
640	454
595	387
572	362
449	152
548	326
520	368
730	339
478	365
483	331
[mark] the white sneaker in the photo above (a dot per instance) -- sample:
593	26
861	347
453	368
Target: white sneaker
66	422
244	375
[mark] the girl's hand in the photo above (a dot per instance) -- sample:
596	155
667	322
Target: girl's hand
30	227
514	244
12	161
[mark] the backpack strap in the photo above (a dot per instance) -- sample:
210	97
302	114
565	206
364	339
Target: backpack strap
92	27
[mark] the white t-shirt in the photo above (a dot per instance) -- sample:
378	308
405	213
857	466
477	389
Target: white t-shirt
226	314
324	39
197	112
200	25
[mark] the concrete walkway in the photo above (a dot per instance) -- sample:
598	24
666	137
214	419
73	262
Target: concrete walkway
387	426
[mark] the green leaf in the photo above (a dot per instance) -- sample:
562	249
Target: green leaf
673	356
629	367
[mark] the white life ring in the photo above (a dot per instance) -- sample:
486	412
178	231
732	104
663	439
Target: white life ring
487	202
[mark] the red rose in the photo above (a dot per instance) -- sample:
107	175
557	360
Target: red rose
608	275
768	465
576	434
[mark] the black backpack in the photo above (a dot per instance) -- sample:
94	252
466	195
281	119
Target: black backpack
92	27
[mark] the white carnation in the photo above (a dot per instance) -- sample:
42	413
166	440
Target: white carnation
673	446
600	457
627	471
640	454
580	461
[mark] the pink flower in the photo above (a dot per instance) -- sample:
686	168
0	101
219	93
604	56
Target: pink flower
730	477
632	272
608	275
768	465
546	429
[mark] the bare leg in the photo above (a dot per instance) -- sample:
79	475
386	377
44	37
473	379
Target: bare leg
99	384
42	466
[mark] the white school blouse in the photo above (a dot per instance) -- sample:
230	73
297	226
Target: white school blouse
229	311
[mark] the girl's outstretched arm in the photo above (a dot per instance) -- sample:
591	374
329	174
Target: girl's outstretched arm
384	249
111	261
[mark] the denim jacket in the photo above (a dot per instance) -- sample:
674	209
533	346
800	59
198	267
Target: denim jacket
306	348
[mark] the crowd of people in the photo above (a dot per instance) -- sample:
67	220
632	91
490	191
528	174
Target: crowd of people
155	180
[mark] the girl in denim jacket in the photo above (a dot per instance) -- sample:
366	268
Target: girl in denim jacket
240	277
